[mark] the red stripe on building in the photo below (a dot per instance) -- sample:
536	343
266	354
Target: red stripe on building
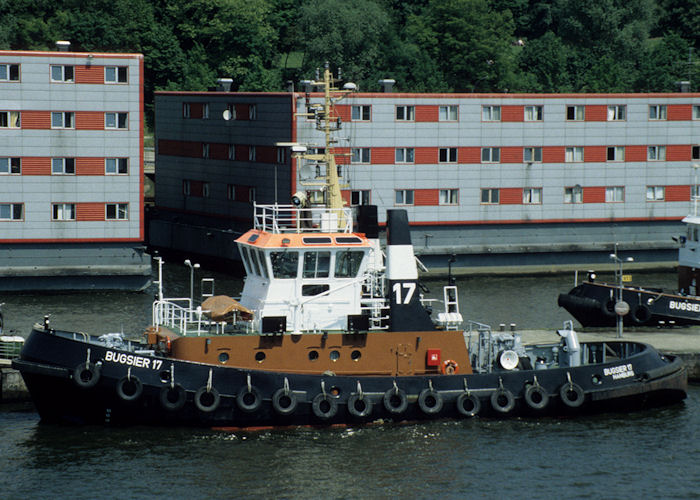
89	120
677	193
343	111
382	156
596	113
242	193
512	113
511	154
595	153
511	196
196	110
345	194
553	154
679	112
469	155
169	147
594	194
89	211
678	152
635	153
265	154
342	156
36	120
426	155
427	113
218	151
425	197
36	165
89	74
197	188
242	111
89	166
242	152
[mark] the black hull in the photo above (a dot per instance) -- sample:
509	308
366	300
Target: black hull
592	304
215	396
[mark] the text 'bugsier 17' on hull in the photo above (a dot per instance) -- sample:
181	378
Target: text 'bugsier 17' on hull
330	329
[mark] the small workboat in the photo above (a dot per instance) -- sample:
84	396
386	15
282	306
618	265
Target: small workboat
592	302
330	328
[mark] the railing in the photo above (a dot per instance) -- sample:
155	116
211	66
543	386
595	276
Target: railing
181	319
292	219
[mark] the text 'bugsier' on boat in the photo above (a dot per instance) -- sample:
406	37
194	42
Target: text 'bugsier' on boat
329	329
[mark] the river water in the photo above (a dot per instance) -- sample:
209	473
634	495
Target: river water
652	454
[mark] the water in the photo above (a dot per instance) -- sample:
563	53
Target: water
650	454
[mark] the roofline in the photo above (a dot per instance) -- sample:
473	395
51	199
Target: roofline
54	53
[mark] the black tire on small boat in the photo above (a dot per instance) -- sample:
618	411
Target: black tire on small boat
430	401
502	400
284	402
207	400
572	395
608	308
468	405
536	397
129	388
640	314
324	406
359	406
248	400
173	398
395	401
86	375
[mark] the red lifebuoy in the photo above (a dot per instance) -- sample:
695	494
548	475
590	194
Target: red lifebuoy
449	367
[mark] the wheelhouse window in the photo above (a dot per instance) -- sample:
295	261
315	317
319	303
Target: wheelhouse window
656	193
656	153
575	113
63	211
10	119
116	166
284	264
361	113
403	196
9	72
117	211
116	74
532	196
116	120
489	196
447	113
361	155
347	263
490	155
448	197
62	74
573	154
573	194
316	264
657	111
405	113
11	211
616	153
404	155
532	155
534	113
491	113
9	166
614	194
617	113
447	155
62	166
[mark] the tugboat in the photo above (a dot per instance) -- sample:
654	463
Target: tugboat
593	303
329	329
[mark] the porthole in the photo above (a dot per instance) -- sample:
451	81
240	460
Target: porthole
223	357
596	379
313	355
355	355
259	356
164	376
334	355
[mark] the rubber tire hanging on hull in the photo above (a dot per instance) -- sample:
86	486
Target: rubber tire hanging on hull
536	397
169	402
201	404
129	388
86	375
248	400
468	405
572	395
502	400
640	314
324	406
430	401
284	402
366	406
395	401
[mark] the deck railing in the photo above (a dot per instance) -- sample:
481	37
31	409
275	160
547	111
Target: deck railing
292	219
